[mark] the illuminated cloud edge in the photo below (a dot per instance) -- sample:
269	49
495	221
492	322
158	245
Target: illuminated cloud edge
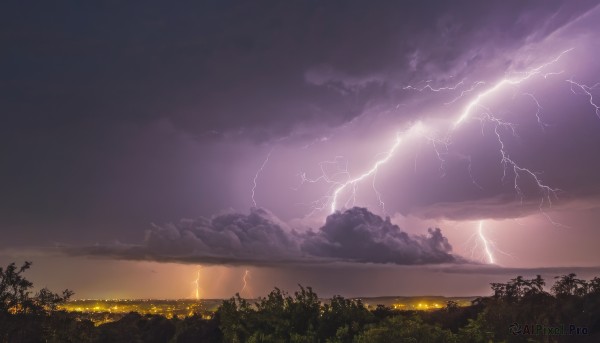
259	238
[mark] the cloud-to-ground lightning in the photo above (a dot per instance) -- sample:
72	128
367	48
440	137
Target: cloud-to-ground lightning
481	247
518	172
486	246
254	184
245	281
547	193
196	284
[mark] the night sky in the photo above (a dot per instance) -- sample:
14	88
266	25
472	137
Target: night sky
362	148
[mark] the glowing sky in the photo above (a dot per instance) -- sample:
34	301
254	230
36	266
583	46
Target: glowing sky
145	150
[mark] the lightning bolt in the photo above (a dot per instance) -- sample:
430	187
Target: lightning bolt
437	145
538	111
479	240
462	94
502	83
553	73
338	187
196	284
428	86
547	193
587	90
511	168
470	170
447	88
324	176
245	280
262	166
486	246
371	172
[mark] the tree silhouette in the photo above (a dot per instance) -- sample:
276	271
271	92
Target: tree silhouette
569	285
15	293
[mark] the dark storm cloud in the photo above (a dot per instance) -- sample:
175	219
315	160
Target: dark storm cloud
232	65
115	115
361	236
259	238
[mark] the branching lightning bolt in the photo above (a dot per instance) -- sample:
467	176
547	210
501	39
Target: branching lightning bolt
553	73
447	88
587	90
428	86
472	88
486	247
437	144
504	82
538	111
441	146
547	193
348	182
262	166
470	170
352	182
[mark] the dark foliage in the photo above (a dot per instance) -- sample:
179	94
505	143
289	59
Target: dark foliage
302	317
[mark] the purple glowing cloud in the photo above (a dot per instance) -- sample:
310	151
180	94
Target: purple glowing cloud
260	238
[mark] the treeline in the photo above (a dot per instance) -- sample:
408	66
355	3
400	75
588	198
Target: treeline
517	311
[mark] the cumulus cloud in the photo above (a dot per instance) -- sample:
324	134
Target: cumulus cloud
260	238
361	236
230	238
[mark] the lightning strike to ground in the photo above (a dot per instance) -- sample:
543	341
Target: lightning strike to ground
486	247
478	241
547	193
245	281
196	284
